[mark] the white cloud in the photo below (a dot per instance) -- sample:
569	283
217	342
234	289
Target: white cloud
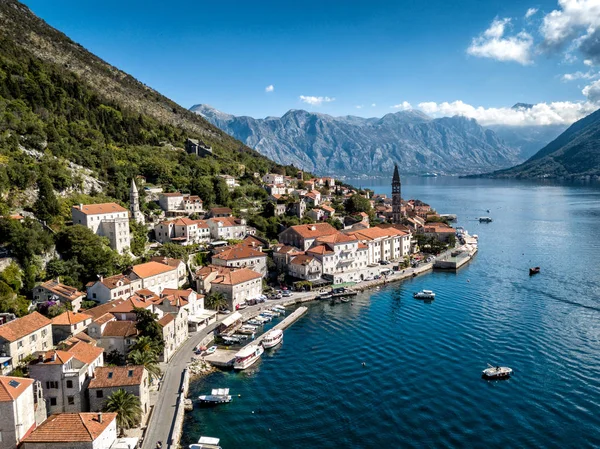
493	44
588	62
592	91
530	12
359	106
373	105
572	17
590	75
315	101
269	88
404	106
562	112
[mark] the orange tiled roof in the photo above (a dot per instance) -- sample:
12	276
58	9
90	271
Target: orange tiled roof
13	387
69	318
168	318
85	352
21	327
98	209
227	222
120	329
55	357
167	261
338	237
302	260
81	336
171	195
60	289
319	249
286	249
313	230
221	210
148	269
377	232
117	376
238	252
230	276
71	427
113	281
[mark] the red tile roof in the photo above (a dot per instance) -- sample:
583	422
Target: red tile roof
168	318
302	260
227	222
13	387
117	280
229	275
62	290
98	209
69	318
336	238
85	352
71	427
319	249
21	327
167	261
117	376
238	252
148	269
120	329
312	230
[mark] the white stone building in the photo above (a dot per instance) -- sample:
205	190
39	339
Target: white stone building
240	256
272	178
111	288
305	267
155	276
108	220
227	228
304	236
238	285
22	337
18	414
182	231
55	290
384	243
180	204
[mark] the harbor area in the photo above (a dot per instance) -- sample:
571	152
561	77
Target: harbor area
224	357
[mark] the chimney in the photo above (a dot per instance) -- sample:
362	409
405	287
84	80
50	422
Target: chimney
53	357
100	418
81	207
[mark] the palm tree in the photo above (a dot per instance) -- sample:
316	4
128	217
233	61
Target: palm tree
145	344
126	406
148	360
216	300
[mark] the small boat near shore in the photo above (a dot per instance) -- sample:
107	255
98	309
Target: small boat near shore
206	443
217	396
496	372
485	220
273	338
534	270
424	294
325	296
279	309
247	356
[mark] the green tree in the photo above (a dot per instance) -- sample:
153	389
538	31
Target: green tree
216	301
222	194
114	358
145	344
127	407
10	302
147	325
139	234
46	206
174	251
148	360
357	203
91	251
13	276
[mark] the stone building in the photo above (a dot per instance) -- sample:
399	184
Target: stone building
108	220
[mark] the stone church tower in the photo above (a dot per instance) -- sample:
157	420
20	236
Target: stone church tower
134	204
396	197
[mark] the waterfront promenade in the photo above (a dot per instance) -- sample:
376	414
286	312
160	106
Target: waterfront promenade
161	426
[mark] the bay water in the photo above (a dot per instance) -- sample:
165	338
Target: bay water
389	371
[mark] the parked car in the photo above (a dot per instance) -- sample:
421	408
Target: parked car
287	294
211	350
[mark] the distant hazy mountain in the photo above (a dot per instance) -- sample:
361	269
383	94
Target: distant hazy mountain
573	154
356	145
528	140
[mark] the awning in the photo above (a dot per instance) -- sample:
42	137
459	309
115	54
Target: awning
235	316
343	284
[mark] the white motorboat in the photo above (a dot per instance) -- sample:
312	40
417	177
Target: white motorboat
424	294
255	322
217	396
249	327
496	372
274	312
206	443
247	356
279	309
273	338
266	317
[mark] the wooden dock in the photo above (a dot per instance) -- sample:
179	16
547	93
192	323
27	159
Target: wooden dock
223	358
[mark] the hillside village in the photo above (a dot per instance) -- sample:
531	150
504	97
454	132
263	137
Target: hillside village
74	350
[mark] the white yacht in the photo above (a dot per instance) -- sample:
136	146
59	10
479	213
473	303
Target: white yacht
217	396
273	338
247	356
206	443
496	372
424	294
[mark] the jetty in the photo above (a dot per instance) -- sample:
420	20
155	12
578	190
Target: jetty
456	258
223	358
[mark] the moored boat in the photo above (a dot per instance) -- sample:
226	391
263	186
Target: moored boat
206	443
424	294
279	309
485	220
325	296
273	338
496	372
534	270
217	396
247	356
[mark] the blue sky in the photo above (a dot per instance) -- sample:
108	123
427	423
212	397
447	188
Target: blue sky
349	57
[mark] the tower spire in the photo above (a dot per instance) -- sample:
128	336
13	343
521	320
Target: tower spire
134	203
396	197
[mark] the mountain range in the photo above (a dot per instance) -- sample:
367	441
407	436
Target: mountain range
355	145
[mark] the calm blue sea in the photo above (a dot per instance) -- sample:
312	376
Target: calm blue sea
421	385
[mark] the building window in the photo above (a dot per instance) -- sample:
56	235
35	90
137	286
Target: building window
69	384
51	385
19	344
52	402
71	400
99	393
